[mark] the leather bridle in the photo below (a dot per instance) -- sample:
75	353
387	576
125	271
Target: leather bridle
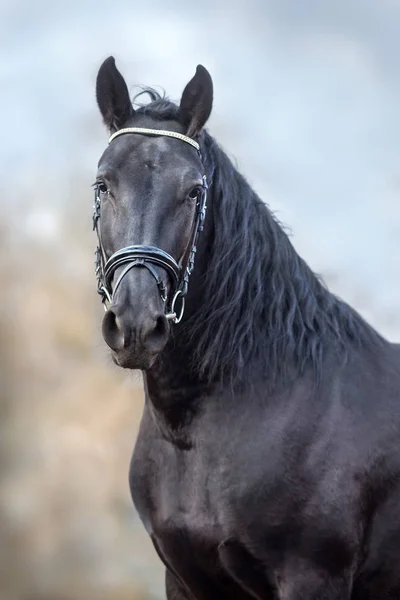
150	257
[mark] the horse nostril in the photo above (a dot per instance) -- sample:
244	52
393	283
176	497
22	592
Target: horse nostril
157	332
161	327
112	334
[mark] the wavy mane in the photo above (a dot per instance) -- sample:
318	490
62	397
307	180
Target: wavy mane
262	305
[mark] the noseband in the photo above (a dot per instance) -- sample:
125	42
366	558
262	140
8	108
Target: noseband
150	257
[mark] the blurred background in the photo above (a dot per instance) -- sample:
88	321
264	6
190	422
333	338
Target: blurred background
307	103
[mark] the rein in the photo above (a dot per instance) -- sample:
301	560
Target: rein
150	257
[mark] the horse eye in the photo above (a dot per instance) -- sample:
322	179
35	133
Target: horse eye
194	193
101	187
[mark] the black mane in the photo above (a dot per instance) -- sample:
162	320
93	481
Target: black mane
261	304
160	107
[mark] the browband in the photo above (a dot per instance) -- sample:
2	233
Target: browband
145	131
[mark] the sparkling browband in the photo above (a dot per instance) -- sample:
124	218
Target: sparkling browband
144	131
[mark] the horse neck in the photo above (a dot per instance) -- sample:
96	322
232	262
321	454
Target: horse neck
255	311
174	377
177	374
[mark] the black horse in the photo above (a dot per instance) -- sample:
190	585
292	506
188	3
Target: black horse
268	459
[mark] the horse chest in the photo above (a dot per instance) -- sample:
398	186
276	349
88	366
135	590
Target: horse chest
192	505
179	534
175	506
181	517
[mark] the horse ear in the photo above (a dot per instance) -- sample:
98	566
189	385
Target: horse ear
196	102
113	96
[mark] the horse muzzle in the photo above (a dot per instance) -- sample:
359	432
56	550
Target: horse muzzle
137	336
